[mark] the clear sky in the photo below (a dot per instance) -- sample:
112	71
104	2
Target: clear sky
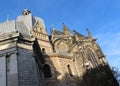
102	17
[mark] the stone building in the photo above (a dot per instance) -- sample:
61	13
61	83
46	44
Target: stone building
29	56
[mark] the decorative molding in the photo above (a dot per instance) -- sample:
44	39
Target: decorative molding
8	52
58	56
40	35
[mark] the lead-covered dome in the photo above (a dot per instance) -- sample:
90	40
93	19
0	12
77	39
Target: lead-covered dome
13	26
29	20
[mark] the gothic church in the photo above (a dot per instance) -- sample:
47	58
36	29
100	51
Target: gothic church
31	57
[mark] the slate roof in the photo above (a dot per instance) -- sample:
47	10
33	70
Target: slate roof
40	20
80	35
56	32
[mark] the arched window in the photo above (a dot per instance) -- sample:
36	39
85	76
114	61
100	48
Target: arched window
47	71
92	58
69	70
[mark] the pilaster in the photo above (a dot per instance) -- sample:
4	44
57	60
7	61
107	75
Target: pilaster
2	71
13	70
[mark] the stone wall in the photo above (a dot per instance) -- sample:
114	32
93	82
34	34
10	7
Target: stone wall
60	73
28	74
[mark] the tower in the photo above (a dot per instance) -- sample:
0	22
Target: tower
18	65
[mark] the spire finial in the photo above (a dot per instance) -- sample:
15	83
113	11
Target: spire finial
89	33
63	24
66	30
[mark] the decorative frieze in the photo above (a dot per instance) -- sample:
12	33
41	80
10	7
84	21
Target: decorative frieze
40	35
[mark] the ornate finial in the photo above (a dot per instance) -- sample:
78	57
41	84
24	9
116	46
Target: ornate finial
89	34
66	30
26	12
63	24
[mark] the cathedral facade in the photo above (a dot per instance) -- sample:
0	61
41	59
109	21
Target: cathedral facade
29	56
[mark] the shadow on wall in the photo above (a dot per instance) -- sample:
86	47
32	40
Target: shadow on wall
99	76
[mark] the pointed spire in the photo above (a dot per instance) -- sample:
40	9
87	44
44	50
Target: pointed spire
76	37
64	26
89	34
66	30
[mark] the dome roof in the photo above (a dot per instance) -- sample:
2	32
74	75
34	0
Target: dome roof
40	20
24	24
21	28
29	20
13	26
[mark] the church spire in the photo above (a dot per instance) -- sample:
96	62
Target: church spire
66	30
89	34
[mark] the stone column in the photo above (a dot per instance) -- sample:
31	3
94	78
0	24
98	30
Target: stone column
2	71
13	70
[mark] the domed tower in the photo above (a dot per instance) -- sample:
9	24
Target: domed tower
38	29
18	65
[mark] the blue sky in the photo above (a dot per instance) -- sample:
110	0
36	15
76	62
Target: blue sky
102	17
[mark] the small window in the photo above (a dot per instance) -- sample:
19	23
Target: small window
69	70
43	51
47	71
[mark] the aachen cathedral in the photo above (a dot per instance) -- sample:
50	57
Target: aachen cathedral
29	56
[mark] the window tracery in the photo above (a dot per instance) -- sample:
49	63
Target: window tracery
91	57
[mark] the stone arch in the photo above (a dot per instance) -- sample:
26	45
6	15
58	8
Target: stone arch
61	45
58	40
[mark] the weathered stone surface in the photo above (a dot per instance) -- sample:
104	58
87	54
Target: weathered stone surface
13	70
2	71
27	68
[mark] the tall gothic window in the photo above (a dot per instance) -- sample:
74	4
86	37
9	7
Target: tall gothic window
92	58
47	71
69	70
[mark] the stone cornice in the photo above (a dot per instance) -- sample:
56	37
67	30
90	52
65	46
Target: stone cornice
55	55
40	35
8	36
8	51
87	40
25	46
61	36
